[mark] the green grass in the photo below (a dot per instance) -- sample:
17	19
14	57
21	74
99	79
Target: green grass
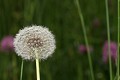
61	16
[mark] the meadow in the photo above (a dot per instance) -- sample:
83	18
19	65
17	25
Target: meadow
70	61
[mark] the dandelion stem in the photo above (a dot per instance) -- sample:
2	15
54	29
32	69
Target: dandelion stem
108	34
37	69
21	70
85	37
118	62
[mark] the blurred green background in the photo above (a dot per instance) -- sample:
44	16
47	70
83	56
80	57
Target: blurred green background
61	17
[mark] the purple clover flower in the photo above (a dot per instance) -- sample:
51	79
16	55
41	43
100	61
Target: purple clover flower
83	49
7	44
113	50
96	22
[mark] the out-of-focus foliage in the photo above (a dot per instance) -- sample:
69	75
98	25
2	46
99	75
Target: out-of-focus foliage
61	16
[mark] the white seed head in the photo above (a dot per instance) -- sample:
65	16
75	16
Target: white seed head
34	42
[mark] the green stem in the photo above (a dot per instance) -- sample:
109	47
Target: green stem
21	73
15	67
37	69
80	71
85	37
108	34
118	62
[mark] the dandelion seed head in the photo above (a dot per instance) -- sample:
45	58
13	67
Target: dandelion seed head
34	42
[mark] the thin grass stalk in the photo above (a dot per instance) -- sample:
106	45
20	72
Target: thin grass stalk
108	34
86	39
118	62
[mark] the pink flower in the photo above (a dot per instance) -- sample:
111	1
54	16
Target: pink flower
83	49
7	44
96	22
113	50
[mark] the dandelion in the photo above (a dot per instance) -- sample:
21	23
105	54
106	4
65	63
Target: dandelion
34	43
113	50
7	44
